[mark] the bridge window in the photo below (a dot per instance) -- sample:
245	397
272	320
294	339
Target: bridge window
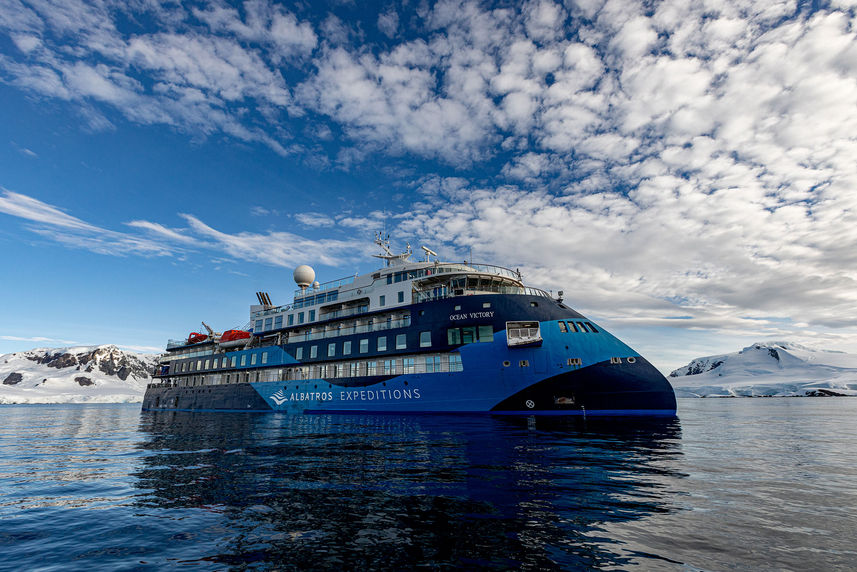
562	327
269	322
278	322
592	328
258	325
572	327
486	334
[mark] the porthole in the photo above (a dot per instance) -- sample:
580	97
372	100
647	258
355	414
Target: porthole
507	363
534	304
632	360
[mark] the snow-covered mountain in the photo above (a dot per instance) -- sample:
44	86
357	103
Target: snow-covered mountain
768	369
96	374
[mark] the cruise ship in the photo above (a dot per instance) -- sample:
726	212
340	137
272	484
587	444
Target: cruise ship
416	336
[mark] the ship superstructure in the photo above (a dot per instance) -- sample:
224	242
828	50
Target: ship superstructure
414	336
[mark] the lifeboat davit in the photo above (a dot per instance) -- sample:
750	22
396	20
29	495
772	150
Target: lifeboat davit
234	338
196	337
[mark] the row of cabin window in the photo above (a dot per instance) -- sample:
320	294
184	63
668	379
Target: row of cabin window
380	345
225	361
393	366
317	299
469	334
382	300
578	327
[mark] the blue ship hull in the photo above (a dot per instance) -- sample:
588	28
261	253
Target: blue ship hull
605	376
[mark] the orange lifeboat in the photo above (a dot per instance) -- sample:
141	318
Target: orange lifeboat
233	338
196	337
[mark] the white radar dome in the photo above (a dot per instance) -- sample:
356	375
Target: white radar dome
304	275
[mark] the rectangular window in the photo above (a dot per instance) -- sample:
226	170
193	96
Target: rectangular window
382	343
592	328
425	339
206	363
381	300
486	333
370	368
291	319
331	349
562	327
572	327
278	322
389	278
269	323
401	297
258	325
455	362
300	317
299	353
364	346
388	367
234	361
243	359
346	348
409	365
582	327
253	359
468	334
199	365
398	277
401	341
486	304
264	357
453	336
313	352
312	315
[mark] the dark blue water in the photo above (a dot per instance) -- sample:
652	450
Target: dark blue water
732	483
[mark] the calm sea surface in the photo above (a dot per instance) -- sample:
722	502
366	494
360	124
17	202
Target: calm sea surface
731	484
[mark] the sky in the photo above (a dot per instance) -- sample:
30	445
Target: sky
683	171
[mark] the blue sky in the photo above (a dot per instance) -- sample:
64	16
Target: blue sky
683	171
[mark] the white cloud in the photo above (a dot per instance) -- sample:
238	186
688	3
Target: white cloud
388	22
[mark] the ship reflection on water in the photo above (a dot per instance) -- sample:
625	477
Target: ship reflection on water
331	491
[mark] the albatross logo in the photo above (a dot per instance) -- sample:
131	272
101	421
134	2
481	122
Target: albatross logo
279	398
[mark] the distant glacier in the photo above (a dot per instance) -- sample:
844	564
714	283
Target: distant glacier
768	369
85	374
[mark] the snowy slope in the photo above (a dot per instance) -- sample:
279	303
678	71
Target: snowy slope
768	369
96	374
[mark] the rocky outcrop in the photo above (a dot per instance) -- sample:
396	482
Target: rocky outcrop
13	379
109	360
84	381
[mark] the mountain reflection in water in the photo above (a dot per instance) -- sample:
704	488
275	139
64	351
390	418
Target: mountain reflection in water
399	491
